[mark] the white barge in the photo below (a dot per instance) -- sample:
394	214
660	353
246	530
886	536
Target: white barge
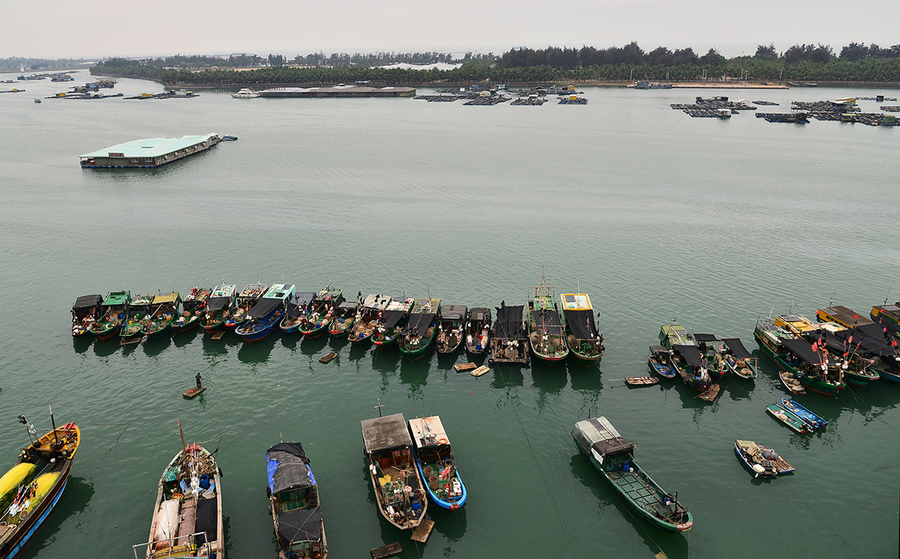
148	153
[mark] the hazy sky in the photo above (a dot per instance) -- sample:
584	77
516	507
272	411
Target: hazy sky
95	28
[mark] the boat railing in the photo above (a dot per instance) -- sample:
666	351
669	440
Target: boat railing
174	548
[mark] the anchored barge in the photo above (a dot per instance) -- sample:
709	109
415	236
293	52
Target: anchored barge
148	153
339	91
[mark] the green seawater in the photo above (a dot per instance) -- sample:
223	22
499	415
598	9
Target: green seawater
656	215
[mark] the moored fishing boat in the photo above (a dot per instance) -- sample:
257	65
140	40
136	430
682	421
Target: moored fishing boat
478	330
318	319
660	361
392	323
31	489
187	515
689	364
584	340
761	460
398	487
163	311
788	417
867	349
193	306
888	316
296	310
366	321
612	456
813	420
451	328
266	313
790	382
415	339
344	316
294	503
85	312
546	326
811	366
711	348
136	315
218	307
434	459
738	360
243	302
509	340
113	313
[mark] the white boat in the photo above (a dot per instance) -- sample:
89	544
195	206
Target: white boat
245	93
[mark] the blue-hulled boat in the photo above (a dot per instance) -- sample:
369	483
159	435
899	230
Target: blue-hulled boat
761	460
434	459
813	420
660	361
294	501
266	314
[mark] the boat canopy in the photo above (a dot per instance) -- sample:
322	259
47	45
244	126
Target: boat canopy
392	318
348	305
328	295
87	301
117	298
215	304
690	353
428	431
385	433
601	437
705	338
480	313
426	305
280	291
509	322
581	322
300	525
419	323
547	320
223	291
303	298
453	312
737	348
288	467
803	350
892	311
377	302
576	302
659	350
873	338
264	308
166	298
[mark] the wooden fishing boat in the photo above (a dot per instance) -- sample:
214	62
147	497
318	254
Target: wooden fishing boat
862	363
85	312
136	315
546	326
243	302
738	360
31	488
113	313
691	366
419	333
163	312
193	306
761	460
812	367
434	460
367	316
398	487
266	313
187	515
585	342
218	307
296	311
392	322
814	421
317	320
344	316
888	316
294	503
641	381
612	456
790	382
660	361
478	330
451	328
509	340
788	418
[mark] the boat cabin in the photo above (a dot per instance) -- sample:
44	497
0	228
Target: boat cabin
294	498
394	476
606	446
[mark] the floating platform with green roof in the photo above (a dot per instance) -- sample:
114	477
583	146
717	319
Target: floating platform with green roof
148	153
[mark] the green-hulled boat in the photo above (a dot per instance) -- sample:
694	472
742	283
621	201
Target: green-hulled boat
164	310
218	307
812	367
584	340
546	326
137	313
193	306
418	335
392	323
113	313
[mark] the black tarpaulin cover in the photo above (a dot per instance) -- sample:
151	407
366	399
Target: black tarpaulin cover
264	308
300	525
870	338
391	318
87	301
215	304
288	468
737	348
207	519
706	337
803	350
690	353
419	323
582	324
509	322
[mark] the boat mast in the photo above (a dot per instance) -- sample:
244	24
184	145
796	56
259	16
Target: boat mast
181	433
53	423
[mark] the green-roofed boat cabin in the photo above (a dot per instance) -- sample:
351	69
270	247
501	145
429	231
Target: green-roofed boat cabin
148	153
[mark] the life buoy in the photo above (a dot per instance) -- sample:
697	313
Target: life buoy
442	440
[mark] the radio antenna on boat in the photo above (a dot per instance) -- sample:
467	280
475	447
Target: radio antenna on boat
888	295
53	423
830	303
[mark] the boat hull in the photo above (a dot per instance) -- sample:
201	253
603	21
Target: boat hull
788	418
262	328
454	504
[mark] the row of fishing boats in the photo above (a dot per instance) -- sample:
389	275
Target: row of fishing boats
551	329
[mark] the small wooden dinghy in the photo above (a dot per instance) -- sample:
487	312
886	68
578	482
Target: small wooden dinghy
463	367
193	392
761	460
791	383
811	419
788	418
641	381
480	371
711	393
328	357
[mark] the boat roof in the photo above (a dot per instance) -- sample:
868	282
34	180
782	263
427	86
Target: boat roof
348	305
384	433
675	333
737	348
658	349
796	323
706	338
602	437
453	312
87	301
802	349
398	304
117	298
377	302
427	431
426	305
280	291
141	301
480	313
224	291
298	525
150	147
328	294
576	302
509	322
690	353
254	290
164	298
264	308
217	303
419	323
581	322
288	467
845	316
302	298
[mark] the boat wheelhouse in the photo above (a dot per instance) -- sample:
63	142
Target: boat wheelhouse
218	307
434	459
416	338
85	312
546	326
584	340
113	314
366	321
148	153
398	487
451	328
294	503
509	340
266	313
888	316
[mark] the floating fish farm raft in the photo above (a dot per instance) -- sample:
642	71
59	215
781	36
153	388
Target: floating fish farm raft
339	91
149	153
714	107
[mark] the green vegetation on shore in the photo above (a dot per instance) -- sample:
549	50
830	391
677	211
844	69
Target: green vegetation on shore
818	63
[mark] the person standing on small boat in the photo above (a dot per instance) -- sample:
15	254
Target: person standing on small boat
199	378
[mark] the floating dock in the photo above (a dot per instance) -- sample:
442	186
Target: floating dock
149	153
339	91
